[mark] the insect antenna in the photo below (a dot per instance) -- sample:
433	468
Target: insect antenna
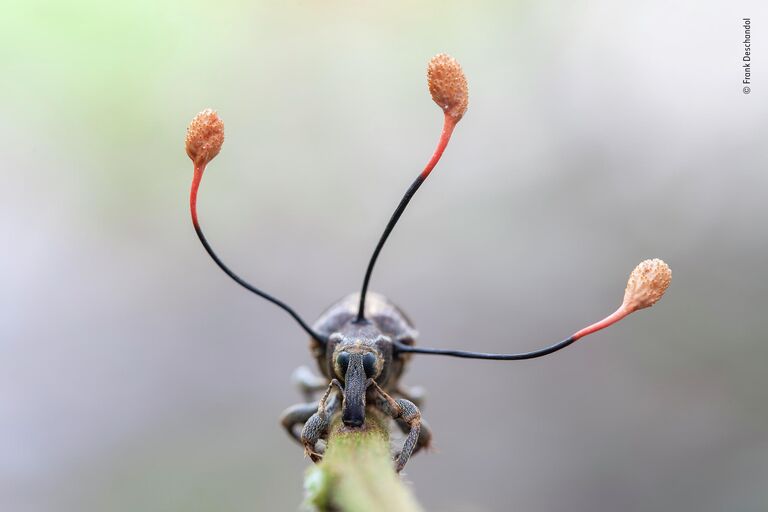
448	87
646	285
205	136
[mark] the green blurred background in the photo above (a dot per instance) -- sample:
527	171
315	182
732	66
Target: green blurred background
135	376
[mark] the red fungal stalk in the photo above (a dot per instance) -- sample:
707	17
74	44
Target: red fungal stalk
448	87
205	136
646	285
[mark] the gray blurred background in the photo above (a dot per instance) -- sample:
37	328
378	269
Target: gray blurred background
135	376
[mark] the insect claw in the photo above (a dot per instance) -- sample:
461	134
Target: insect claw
315	456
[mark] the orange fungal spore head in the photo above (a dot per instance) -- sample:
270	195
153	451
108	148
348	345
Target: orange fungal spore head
448	85
205	136
646	285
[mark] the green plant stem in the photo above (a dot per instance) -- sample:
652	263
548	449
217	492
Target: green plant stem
357	473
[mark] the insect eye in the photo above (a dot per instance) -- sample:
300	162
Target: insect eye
343	362
369	364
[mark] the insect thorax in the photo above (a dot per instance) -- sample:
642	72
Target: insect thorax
384	323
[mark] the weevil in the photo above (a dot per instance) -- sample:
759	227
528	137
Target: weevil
363	343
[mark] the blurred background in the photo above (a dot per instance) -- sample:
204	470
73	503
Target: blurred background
135	376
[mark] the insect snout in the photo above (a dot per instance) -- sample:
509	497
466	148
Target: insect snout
355	369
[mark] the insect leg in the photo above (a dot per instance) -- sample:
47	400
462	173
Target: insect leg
415	394
401	409
317	425
297	415
308	383
425	435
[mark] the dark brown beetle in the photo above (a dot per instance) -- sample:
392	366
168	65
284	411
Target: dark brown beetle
362	361
363	342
